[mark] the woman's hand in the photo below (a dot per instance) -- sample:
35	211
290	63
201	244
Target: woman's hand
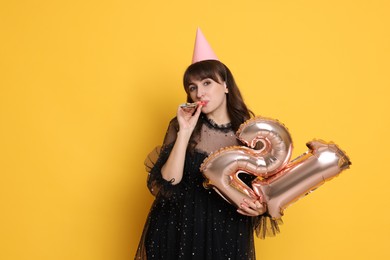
187	118
251	208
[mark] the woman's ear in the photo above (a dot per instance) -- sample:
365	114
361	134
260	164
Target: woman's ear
226	88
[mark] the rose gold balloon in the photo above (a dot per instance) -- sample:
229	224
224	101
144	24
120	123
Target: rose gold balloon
272	143
270	150
278	184
321	163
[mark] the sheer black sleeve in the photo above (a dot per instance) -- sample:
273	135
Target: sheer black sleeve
157	185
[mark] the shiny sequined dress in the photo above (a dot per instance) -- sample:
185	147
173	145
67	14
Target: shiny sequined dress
187	221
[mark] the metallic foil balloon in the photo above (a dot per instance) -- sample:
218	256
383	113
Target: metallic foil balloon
278	183
270	149
321	163
271	143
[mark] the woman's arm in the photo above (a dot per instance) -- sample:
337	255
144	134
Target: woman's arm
173	168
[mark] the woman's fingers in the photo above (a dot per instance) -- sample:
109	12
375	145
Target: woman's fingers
245	210
188	117
197	112
244	213
251	208
189	110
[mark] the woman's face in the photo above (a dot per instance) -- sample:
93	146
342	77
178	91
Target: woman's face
212	93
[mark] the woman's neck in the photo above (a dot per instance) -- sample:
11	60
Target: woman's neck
221	118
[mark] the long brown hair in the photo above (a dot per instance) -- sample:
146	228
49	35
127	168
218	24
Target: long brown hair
217	71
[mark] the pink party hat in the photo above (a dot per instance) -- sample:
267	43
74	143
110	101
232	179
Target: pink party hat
202	49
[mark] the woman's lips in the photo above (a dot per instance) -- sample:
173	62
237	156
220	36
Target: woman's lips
203	103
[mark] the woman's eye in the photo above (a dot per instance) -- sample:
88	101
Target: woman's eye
206	83
192	88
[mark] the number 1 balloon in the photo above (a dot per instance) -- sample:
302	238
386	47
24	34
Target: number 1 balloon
267	154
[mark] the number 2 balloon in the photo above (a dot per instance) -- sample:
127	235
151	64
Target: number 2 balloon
279	182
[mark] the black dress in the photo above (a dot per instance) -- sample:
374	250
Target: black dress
187	221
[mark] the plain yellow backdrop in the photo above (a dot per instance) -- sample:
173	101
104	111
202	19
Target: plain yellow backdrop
87	89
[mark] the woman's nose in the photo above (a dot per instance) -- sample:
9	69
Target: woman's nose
200	92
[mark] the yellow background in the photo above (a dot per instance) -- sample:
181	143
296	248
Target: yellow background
88	87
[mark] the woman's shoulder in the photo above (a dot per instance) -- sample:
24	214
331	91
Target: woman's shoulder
174	123
171	133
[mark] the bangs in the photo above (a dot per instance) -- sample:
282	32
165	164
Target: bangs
212	69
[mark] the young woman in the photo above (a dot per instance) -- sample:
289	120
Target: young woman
186	220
